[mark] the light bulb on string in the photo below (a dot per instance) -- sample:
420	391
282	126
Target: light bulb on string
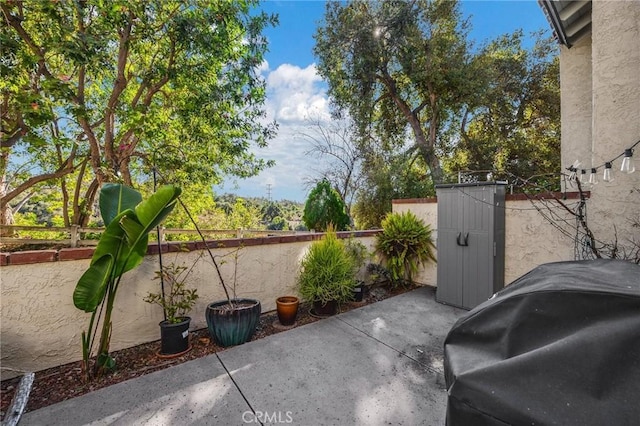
607	176
573	170
627	162
593	177
583	176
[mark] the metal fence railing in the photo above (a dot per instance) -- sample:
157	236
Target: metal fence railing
76	236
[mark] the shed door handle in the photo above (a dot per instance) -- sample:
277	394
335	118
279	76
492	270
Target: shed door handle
465	240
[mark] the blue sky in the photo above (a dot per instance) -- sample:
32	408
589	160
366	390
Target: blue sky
295	91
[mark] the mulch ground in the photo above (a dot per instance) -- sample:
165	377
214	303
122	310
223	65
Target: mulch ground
66	381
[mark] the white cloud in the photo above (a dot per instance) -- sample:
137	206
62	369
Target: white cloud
294	96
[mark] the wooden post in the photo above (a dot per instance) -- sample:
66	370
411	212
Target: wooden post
74	235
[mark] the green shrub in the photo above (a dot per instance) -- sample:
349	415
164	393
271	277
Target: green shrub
327	271
404	244
325	207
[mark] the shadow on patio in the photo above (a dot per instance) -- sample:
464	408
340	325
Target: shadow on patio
379	364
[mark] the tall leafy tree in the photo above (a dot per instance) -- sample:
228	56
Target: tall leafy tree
388	175
513	127
100	91
397	65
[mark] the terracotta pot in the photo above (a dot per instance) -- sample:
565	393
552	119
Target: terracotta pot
287	307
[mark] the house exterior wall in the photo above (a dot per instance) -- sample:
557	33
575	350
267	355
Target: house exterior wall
616	116
41	328
600	107
575	103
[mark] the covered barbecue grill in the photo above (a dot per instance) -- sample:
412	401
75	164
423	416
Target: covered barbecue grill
559	346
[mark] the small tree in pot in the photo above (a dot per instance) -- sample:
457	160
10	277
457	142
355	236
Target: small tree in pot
327	274
176	303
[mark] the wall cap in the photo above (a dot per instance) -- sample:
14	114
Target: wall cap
64	254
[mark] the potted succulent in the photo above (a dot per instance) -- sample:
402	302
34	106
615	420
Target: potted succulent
122	247
326	275
176	301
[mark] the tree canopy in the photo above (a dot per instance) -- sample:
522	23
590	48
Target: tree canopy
394	65
97	91
513	127
426	104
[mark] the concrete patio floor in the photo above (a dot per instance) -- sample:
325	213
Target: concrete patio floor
381	364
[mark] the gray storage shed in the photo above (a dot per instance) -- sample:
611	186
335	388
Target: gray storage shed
470	243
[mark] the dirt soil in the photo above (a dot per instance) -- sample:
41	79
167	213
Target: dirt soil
66	381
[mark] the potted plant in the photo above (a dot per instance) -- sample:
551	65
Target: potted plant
287	309
326	275
404	244
176	301
232	321
359	253
122	247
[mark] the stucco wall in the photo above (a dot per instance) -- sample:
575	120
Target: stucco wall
575	103
600	92
616	116
41	328
530	239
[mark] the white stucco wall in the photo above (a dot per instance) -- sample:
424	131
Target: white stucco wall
530	239
575	103
41	328
616	116
600	92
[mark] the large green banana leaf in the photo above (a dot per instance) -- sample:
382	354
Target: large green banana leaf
124	240
116	198
92	285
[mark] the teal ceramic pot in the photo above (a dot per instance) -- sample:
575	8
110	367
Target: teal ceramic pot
233	326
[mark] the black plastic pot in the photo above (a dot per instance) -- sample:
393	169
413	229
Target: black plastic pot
174	337
233	326
325	309
358	292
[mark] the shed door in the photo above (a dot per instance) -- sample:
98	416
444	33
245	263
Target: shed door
477	264
450	255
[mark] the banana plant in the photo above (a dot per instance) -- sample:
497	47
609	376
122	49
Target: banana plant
122	247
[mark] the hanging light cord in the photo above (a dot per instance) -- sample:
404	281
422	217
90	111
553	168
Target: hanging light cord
572	168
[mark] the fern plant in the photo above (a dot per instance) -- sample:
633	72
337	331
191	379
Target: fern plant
404	244
327	271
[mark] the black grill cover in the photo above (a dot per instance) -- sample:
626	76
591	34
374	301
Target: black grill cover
559	346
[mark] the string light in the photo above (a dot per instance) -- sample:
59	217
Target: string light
627	162
627	166
607	176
